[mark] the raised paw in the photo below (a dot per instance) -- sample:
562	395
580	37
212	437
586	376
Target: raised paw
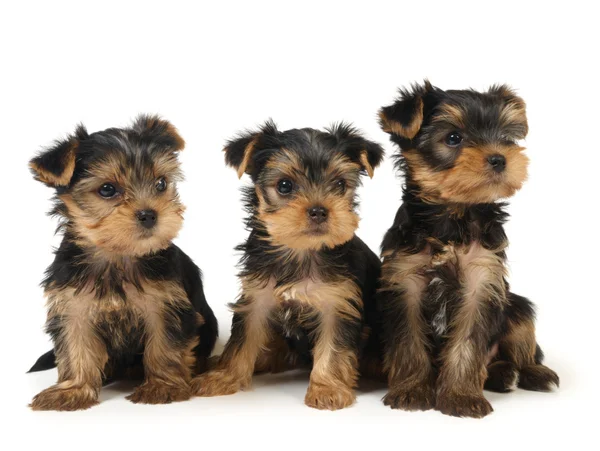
473	406
325	397
419	397
59	397
217	383
538	378
159	392
502	377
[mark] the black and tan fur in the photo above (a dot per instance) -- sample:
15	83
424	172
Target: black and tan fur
451	324
121	296
308	282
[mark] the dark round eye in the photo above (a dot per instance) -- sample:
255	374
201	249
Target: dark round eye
107	190
161	184
341	185
285	186
454	139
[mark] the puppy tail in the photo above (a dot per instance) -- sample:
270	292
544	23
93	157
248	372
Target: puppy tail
45	362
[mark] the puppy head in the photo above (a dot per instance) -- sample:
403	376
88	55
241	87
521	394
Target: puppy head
117	188
459	146
305	181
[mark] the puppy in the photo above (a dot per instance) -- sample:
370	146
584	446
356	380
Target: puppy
308	282
118	288
451	324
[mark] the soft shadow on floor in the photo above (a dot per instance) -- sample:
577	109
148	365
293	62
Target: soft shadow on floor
367	385
285	377
118	389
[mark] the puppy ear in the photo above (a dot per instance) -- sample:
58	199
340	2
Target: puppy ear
513	115
240	150
503	91
405	116
367	153
152	128
55	166
371	157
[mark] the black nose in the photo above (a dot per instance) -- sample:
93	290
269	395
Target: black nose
498	162
317	214
147	218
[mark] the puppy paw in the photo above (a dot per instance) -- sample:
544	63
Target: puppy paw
67	398
324	397
502	377
473	406
217	383
538	378
418	397
159	392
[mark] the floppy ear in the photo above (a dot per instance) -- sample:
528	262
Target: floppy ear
152	128
55	166
506	92
513	115
371	156
240	150
367	153
405	116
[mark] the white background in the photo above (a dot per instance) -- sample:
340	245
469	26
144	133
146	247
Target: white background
218	68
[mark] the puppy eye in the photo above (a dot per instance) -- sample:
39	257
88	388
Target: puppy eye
453	139
341	185
161	184
107	190
285	186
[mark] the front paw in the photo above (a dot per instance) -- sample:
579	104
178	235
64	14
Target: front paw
63	397
416	397
159	392
217	383
502	377
472	405
538	378
325	397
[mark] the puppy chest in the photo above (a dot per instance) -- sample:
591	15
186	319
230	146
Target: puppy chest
297	308
294	319
290	307
461	280
119	323
322	296
479	266
124	320
302	306
470	266
306	292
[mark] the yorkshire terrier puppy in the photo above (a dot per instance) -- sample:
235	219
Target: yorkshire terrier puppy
308	282
119	291
451	325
